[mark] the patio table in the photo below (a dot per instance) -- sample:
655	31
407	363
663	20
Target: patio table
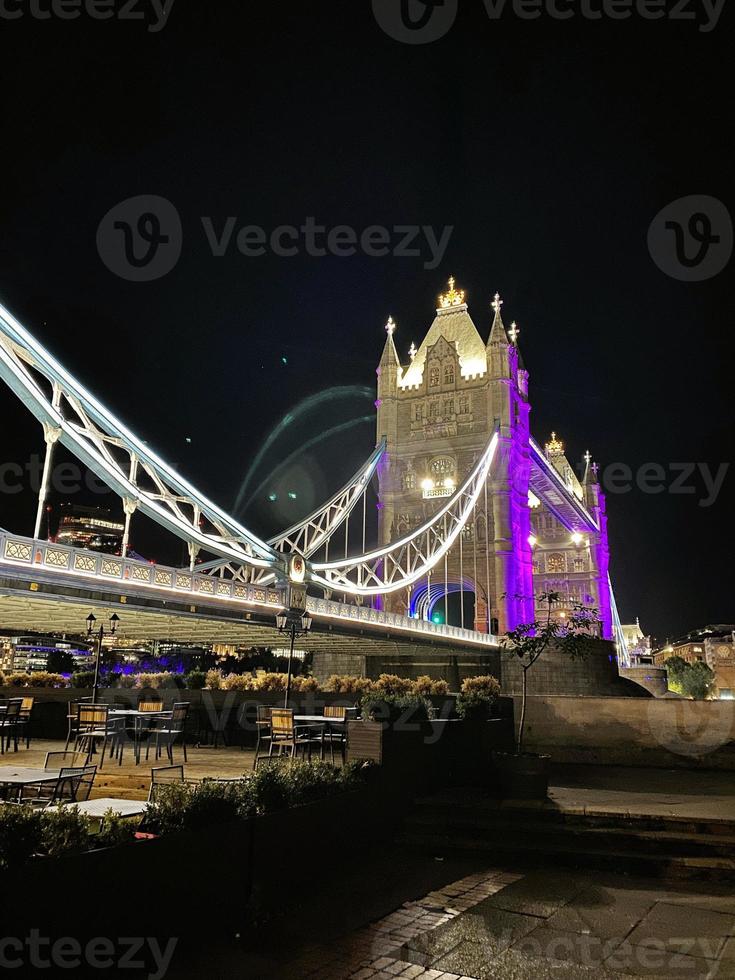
20	776
98	808
137	718
326	722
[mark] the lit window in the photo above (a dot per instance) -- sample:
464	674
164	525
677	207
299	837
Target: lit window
555	563
449	374
434	377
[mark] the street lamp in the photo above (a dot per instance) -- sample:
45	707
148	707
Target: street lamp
100	634
293	625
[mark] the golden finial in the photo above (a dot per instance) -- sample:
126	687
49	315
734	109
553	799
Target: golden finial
513	332
497	303
454	297
555	447
588	457
390	326
412	351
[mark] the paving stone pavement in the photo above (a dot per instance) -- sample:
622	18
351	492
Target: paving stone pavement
497	925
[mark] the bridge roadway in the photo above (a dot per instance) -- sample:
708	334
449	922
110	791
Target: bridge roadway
49	588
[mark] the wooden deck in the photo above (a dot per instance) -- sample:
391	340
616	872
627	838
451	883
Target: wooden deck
131	782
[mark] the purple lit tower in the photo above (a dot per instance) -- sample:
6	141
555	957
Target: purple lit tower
438	411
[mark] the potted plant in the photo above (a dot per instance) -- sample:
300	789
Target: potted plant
525	775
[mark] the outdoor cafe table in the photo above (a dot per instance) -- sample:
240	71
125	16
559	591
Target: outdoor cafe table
98	808
137	718
326	721
20	776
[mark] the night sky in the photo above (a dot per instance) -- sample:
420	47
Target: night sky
547	146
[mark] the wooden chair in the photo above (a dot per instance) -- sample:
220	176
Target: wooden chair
287	737
24	719
164	776
168	730
9	723
95	725
262	729
73	720
150	704
335	736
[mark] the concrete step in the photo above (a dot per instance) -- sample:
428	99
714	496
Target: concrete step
626	837
534	852
666	845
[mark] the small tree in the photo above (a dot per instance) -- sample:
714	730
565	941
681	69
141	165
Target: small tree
694	680
528	641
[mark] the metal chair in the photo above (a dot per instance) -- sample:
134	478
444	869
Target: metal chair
287	737
169	730
164	776
72	786
59	760
95	726
262	729
9	722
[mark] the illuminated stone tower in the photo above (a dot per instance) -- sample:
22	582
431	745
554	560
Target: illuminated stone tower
437	413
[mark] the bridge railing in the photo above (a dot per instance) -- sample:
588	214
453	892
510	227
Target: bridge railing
79	562
66	561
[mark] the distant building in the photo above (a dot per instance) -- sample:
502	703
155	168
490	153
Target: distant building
91	528
713	645
34	652
638	644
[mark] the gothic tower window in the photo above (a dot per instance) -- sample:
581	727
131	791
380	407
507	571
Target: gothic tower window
444	466
579	565
556	563
448	407
464	405
434	377
409	480
433	410
448	374
419	411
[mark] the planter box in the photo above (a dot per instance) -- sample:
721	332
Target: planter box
199	882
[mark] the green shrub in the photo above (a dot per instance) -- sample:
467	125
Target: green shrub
237	682
158	680
64	830
346	684
406	708
115	830
82	679
477	697
392	684
214	680
195	680
20	835
426	686
485	685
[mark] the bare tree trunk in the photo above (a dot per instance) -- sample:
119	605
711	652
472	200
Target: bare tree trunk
519	741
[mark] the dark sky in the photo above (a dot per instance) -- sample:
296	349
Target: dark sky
548	146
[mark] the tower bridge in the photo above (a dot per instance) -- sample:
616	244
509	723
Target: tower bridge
467	502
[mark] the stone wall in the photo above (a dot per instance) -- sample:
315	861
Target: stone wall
654	679
662	732
556	673
449	666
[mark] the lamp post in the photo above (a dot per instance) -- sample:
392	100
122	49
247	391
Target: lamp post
294	626
100	634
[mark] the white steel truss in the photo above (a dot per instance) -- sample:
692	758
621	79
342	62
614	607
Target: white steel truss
73	417
309	535
406	561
